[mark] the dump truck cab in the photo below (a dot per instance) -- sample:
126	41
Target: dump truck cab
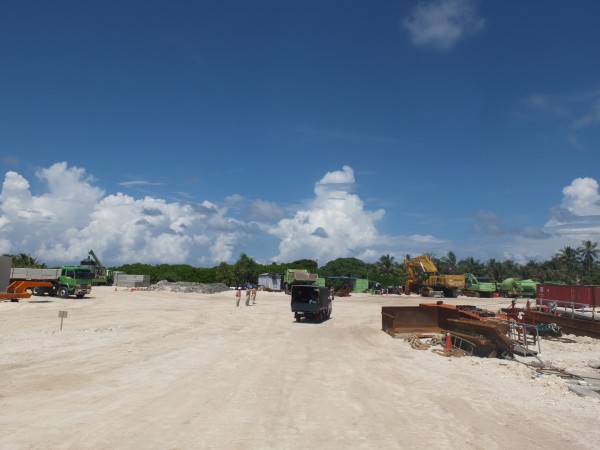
311	302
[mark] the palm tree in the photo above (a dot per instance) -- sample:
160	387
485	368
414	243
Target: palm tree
25	260
470	265
387	265
494	269
529	270
509	269
448	262
569	257
588	252
568	260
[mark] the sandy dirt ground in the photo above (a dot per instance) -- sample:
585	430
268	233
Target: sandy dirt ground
160	370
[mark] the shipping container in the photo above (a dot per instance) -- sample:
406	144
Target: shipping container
584	295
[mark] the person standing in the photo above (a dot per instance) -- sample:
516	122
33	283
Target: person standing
238	296
253	295
248	296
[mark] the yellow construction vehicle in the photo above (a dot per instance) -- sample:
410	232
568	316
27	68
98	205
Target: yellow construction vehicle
424	279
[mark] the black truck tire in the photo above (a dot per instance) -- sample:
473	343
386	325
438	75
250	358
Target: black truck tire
63	292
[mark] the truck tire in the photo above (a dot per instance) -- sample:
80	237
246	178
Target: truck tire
80	295
38	291
63	292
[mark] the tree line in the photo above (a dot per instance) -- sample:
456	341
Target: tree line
570	265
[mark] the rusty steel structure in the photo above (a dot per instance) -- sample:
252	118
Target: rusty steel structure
482	333
572	308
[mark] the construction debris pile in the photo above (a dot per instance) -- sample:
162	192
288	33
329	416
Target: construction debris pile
463	330
188	287
473	330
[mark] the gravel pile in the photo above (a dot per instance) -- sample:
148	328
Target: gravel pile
188	287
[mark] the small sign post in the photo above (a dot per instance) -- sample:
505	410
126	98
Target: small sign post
62	315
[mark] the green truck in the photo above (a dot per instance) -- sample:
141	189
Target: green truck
295	277
478	287
101	275
65	281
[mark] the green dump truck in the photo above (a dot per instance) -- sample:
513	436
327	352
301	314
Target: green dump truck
295	277
66	280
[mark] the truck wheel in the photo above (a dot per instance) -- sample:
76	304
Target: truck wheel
80	295
63	292
38	291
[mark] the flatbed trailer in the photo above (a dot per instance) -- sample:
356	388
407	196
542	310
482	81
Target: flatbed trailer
22	289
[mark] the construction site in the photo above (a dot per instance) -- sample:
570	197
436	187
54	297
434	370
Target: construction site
171	366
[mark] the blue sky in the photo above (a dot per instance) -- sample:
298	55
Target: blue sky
193	131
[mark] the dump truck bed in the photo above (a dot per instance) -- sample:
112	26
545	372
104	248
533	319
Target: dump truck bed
27	273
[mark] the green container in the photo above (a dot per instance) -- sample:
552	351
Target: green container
361	285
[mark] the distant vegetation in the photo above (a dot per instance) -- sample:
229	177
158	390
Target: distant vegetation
571	265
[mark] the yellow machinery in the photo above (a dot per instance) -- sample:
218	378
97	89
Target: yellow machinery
424	279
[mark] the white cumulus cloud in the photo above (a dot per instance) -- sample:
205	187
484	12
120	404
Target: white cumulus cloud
73	216
333	224
581	197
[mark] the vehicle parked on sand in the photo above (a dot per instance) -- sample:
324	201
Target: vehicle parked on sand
102	275
65	281
478	287
295	277
311	302
424	278
515	287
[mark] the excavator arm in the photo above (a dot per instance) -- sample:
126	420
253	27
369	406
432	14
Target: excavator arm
423	275
418	269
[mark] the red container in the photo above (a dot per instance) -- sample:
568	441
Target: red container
586	295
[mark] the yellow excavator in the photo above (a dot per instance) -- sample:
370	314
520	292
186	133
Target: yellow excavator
424	278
